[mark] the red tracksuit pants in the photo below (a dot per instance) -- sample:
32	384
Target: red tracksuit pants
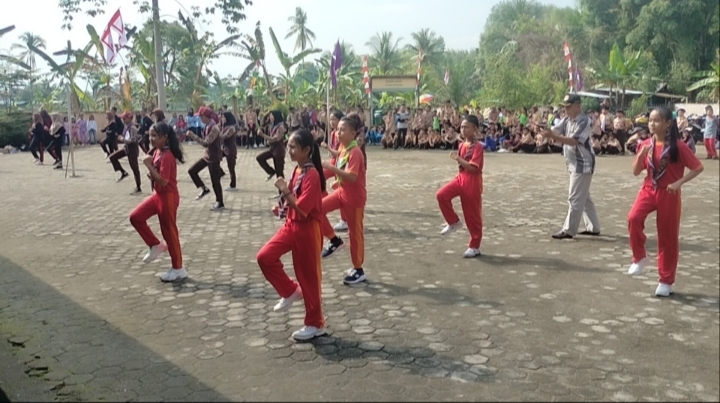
328	175
304	240
668	206
354	218
469	188
165	206
710	148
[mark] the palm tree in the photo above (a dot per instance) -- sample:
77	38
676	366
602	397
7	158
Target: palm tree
289	61
427	46
304	35
385	52
28	56
254	51
9	58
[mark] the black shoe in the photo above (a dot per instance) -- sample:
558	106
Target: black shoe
122	176
562	235
354	276
136	191
269	177
202	194
333	247
58	166
217	206
590	233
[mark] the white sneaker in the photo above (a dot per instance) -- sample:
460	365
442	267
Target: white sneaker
230	189
471	252
663	290
449	229
174	275
37	161
285	303
155	252
307	333
636	269
341	226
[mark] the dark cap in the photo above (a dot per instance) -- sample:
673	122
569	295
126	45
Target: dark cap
571	99
638	129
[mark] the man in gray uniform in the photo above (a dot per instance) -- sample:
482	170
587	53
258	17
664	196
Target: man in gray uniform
574	133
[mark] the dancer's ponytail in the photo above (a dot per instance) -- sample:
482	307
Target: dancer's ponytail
317	161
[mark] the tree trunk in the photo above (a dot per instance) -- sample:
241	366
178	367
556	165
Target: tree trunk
160	80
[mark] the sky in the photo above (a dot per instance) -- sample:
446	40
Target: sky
458	22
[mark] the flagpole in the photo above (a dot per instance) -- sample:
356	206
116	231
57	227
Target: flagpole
327	113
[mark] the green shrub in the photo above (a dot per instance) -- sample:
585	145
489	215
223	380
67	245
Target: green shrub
14	128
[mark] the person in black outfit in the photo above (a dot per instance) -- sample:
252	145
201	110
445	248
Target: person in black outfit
276	151
212	142
38	137
144	130
57	134
131	150
112	130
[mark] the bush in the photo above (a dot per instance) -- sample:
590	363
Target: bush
14	128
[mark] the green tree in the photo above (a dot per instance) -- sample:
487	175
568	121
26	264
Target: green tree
231	11
289	61
305	36
709	85
385	53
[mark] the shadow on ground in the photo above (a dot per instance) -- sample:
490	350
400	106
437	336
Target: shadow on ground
80	355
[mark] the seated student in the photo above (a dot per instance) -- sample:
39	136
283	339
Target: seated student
434	140
638	135
489	143
449	138
542	144
613	146
388	139
597	146
555	147
527	141
410	140
688	138
423	140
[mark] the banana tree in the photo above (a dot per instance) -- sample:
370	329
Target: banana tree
289	61
709	84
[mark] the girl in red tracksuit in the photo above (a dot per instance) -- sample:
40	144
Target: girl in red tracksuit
164	202
350	197
301	202
665	159
468	184
334	150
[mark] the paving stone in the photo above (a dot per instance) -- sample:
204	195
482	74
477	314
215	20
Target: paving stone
95	323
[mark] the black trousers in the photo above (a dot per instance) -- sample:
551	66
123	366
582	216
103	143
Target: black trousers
132	161
35	146
108	146
527	148
231	161
400	138
215	174
622	137
55	148
278	162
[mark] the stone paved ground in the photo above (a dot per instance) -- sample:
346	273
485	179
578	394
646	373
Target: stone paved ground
533	319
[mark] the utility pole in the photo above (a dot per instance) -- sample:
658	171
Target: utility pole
159	68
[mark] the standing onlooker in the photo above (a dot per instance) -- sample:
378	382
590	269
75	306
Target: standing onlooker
92	129
82	130
710	132
574	134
